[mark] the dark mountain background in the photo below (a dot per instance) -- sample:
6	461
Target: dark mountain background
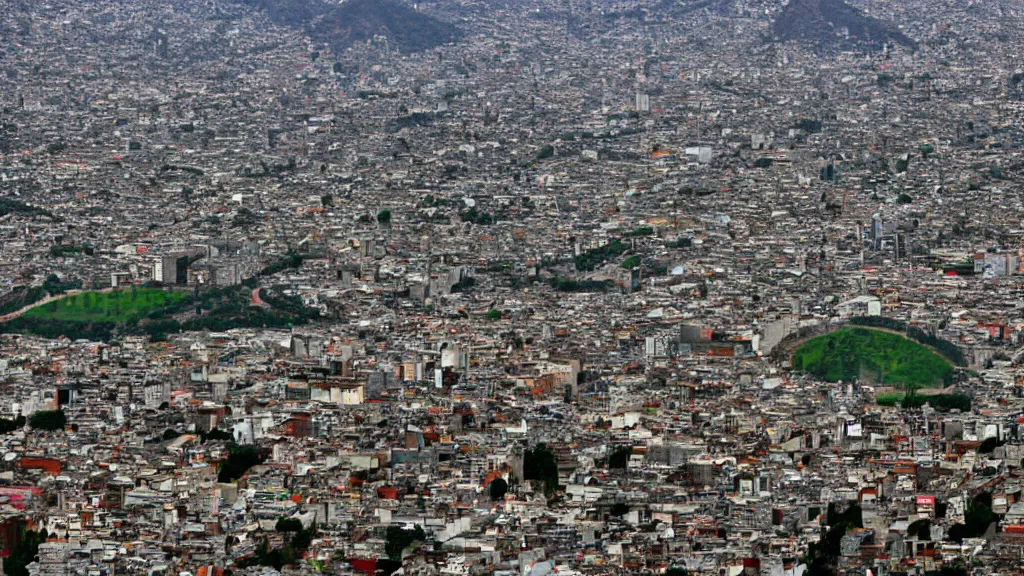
295	13
406	29
341	26
822	21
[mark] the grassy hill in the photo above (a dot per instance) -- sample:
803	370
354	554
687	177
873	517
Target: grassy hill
881	357
158	313
116	306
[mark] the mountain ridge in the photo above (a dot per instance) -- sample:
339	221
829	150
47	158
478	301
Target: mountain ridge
346	24
407	30
821	22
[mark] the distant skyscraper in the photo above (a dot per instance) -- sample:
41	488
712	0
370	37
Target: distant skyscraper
876	231
643	102
160	44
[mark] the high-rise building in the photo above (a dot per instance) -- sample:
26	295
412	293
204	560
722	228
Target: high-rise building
876	231
643	102
161	48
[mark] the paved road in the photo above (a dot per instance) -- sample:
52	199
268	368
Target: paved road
256	300
47	300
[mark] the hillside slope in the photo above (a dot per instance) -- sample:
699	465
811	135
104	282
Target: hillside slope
359	20
827	23
880	357
353	21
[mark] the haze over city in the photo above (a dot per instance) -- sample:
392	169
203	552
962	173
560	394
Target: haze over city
514	287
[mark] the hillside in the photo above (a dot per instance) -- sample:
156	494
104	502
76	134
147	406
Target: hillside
873	355
297	13
824	21
353	21
359	20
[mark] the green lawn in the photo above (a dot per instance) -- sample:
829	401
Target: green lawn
889	399
117	306
879	357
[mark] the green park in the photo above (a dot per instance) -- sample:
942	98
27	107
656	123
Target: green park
159	312
115	306
877	357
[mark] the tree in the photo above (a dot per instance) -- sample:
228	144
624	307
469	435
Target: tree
7	425
48	420
303	538
989	445
822	556
497	489
921	529
475	216
979	516
398	539
620	458
852	516
292	550
631	262
956	533
463	285
216	434
677	571
619	509
539	464
264	556
288	525
384	217
240	460
24	553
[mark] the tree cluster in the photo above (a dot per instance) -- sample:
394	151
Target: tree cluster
539	465
977	519
7	425
594	257
24	553
297	542
398	539
240	459
48	420
823	556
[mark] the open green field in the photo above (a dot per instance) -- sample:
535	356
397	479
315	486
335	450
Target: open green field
117	306
159	313
873	355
